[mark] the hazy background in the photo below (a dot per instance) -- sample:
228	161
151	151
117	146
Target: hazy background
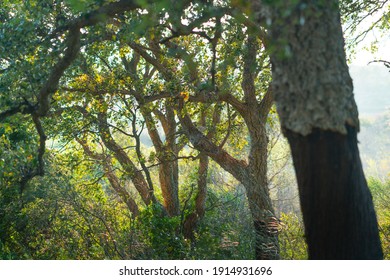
372	94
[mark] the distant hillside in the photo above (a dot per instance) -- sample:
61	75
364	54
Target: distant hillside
371	88
374	138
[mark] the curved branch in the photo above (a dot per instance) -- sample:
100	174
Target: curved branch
24	108
51	85
203	144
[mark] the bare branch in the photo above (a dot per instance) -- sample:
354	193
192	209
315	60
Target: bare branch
385	63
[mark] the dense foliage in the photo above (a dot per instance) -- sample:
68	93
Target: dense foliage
143	131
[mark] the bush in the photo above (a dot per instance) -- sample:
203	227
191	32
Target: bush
292	238
381	195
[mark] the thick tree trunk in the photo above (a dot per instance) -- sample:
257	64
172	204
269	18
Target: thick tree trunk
314	97
337	206
265	223
169	168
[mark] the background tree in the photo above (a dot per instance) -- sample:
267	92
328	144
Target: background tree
104	20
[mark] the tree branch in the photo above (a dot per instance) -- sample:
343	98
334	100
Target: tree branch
235	167
110	175
51	85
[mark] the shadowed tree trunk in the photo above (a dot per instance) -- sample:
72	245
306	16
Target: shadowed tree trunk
337	206
314	97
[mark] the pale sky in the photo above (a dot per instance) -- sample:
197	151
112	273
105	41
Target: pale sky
371	81
363	56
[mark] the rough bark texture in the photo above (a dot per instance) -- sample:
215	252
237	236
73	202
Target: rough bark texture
265	223
311	82
314	97
337	207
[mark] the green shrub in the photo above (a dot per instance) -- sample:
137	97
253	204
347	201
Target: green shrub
291	238
381	195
